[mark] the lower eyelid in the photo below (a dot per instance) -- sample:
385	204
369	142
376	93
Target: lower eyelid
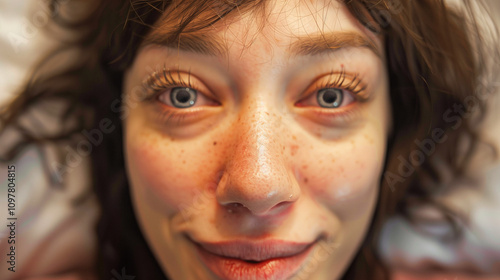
340	117
174	116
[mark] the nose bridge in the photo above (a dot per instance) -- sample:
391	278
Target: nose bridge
257	170
259	142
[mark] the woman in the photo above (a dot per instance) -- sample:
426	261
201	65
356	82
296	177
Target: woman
258	139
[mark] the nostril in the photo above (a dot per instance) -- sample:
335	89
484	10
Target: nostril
281	207
233	207
237	207
281	204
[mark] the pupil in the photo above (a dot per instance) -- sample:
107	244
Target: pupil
183	96
330	96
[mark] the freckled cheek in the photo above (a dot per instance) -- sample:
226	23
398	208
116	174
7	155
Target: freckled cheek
155	172
349	182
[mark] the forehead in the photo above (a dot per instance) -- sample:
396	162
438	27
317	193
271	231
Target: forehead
297	27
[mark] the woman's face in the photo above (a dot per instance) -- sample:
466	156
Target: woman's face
260	160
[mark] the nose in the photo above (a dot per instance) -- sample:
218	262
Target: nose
258	175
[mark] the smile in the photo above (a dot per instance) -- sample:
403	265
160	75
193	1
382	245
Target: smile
254	260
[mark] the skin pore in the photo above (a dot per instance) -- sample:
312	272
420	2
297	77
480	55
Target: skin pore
256	159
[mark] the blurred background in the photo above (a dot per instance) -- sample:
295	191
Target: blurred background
57	237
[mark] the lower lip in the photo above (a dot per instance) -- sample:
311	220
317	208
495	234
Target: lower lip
236	269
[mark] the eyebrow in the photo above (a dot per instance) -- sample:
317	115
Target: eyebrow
329	42
206	44
306	45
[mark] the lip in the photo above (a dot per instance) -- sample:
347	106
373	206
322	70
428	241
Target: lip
241	260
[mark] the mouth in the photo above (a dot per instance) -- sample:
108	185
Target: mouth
241	260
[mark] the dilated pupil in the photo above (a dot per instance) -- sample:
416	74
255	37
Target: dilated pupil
330	96
183	96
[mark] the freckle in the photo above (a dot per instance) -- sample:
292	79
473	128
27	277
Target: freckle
369	138
306	180
215	143
294	137
333	159
267	113
182	151
183	162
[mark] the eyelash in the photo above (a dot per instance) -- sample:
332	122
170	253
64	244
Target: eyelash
340	82
156	83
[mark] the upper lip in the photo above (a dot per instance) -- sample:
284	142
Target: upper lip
255	251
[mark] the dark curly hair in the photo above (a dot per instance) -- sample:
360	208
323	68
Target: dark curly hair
436	57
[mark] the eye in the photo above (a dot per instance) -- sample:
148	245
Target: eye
183	97
329	98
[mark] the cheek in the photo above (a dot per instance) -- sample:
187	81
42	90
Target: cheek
163	173
348	174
